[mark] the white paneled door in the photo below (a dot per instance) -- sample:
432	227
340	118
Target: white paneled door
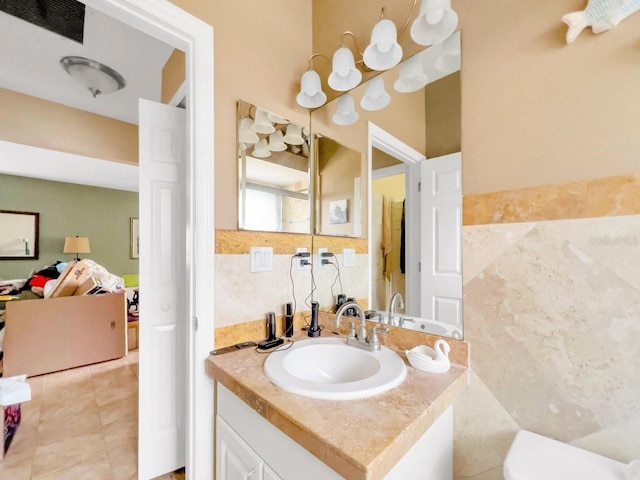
164	294
441	238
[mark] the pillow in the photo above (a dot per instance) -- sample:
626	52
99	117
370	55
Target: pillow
131	280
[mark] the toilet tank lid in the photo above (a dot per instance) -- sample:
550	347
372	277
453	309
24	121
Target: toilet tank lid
534	456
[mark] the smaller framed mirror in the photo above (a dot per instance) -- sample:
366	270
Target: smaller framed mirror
19	236
273	172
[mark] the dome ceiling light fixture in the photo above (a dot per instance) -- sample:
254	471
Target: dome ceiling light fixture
94	76
435	23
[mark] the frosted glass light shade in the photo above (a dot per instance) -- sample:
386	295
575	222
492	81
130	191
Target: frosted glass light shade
375	96
346	111
311	94
245	134
412	76
262	124
344	75
449	59
276	144
260	150
293	136
383	52
277	118
435	22
94	76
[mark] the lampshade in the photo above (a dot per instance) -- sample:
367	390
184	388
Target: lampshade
277	118
293	136
311	94
260	149
76	245
375	96
245	134
346	111
276	144
412	76
344	75
262	124
435	22
449	59
383	52
94	76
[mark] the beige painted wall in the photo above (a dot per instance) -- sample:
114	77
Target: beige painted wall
261	50
173	75
31	121
536	111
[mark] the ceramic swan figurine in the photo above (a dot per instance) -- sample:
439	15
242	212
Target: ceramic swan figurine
430	359
600	15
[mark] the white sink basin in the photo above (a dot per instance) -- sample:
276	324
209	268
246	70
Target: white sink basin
329	369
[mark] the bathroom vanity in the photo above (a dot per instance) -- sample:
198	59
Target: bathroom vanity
264	432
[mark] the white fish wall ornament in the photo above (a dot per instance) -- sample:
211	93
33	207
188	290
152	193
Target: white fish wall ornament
600	15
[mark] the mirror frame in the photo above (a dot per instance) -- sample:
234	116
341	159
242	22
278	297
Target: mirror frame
26	233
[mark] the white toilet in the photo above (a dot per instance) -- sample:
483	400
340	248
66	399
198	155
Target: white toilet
534	457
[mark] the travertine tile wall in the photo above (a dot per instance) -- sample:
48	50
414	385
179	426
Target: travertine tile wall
242	298
552	313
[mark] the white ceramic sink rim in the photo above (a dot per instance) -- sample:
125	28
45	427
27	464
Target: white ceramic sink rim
329	369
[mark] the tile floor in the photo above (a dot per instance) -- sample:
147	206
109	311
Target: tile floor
81	423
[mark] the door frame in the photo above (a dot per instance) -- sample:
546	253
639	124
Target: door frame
383	140
174	26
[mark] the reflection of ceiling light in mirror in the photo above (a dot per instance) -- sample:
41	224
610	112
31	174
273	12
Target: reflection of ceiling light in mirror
275	142
260	150
346	111
375	96
449	59
262	124
435	22
246	135
383	52
311	94
344	75
294	135
412	76
277	118
94	76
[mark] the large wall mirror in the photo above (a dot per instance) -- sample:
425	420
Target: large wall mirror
411	195
273	172
19	236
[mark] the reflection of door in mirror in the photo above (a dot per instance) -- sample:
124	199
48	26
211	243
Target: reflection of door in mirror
273	172
338	188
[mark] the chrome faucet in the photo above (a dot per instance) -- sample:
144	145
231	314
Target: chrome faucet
360	339
392	306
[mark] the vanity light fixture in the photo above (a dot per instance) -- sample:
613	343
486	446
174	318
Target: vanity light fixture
293	135
261	150
435	22
94	76
412	76
246	135
346	112
384	51
449	59
375	96
276	143
262	123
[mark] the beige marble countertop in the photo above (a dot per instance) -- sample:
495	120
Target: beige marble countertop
381	429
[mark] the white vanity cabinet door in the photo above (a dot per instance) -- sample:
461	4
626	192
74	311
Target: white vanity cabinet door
268	474
235	459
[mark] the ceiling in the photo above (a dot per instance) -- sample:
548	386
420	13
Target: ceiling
30	56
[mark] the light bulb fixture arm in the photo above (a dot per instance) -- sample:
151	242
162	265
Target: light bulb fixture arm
406	22
310	63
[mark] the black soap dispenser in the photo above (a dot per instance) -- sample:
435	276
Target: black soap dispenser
288	320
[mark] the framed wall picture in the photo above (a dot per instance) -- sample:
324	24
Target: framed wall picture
338	212
19	235
135	238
